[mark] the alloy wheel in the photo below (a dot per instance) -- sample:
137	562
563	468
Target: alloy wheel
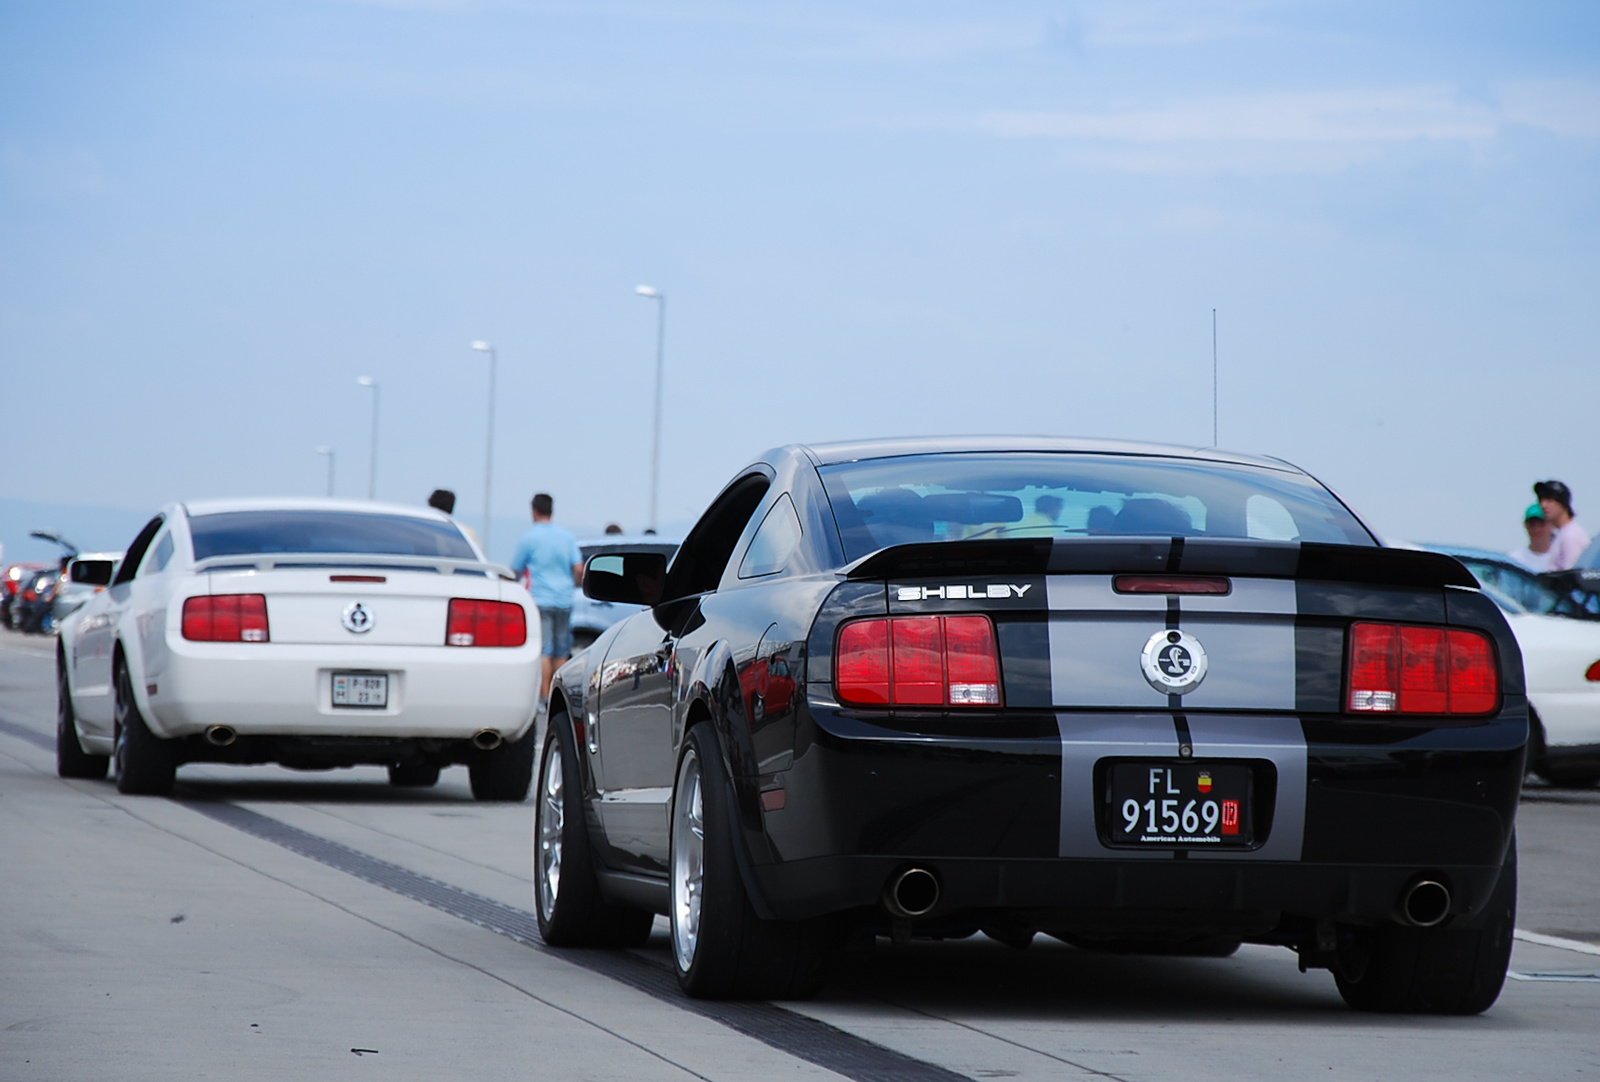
688	860
552	820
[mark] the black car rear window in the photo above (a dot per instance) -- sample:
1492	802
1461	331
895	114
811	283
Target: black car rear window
257	533
945	497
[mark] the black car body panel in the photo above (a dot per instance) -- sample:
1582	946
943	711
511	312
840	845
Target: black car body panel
1007	806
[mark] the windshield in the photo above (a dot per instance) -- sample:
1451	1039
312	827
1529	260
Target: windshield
946	497
251	533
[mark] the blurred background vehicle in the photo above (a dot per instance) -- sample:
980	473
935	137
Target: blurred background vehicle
11	585
1574	594
31	609
590	617
1561	662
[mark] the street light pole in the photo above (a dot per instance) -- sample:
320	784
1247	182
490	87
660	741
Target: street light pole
488	455
372	467
329	452
655	442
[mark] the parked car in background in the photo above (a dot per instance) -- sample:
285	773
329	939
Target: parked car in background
1574	593
11	585
31	609
591	617
310	633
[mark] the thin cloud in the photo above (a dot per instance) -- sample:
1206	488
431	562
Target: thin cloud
1291	132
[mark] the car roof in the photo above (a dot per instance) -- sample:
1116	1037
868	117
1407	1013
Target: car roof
828	454
368	507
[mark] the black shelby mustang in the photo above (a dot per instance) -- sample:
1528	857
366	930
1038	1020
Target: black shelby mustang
1140	698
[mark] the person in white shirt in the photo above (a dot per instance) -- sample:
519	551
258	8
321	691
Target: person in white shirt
1571	539
1535	555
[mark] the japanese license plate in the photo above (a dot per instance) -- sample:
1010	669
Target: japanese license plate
361	689
1181	804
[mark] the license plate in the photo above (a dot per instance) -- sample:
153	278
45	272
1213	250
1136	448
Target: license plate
1180	804
360	689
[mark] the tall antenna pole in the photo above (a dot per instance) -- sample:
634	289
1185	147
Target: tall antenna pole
1213	377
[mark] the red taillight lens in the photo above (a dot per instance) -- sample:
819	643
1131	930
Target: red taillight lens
226	618
1474	678
918	661
863	662
1374	668
485	623
1592	674
1421	670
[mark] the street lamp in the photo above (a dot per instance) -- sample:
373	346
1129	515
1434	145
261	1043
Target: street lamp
372	472
652	293
488	454
329	452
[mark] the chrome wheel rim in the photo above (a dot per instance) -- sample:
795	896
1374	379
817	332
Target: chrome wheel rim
119	738
552	819
688	860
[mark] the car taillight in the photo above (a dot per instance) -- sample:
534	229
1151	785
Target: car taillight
918	661
1421	670
485	623
226	618
1592	674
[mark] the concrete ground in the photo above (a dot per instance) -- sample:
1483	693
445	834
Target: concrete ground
143	938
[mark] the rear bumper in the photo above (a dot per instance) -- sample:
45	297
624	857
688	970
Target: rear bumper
274	689
1002	811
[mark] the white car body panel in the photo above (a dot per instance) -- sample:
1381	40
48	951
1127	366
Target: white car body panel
283	686
1556	652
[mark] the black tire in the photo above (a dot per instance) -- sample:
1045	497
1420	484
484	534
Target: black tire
725	951
1447	970
146	765
414	775
568	903
506	773
71	760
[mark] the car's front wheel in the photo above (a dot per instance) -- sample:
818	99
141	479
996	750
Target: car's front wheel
145	764
566	892
1447	970
71	760
721	948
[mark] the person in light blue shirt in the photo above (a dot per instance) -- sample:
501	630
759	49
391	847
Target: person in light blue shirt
550	556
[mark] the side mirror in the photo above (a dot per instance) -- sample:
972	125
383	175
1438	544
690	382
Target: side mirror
92	572
633	578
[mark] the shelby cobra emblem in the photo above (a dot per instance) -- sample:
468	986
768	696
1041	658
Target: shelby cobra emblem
356	618
1174	662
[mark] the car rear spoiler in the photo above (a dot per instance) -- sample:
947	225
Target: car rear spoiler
320	561
1166	555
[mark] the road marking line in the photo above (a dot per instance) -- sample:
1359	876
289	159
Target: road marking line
1556	941
1573	978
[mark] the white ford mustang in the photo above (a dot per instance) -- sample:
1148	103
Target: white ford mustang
311	633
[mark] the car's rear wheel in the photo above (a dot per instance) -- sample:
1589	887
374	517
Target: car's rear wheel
720	948
1448	970
505	773
71	760
414	775
565	891
145	764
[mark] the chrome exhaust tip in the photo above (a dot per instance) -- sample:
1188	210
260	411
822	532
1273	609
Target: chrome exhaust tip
1425	903
486	739
912	893
221	735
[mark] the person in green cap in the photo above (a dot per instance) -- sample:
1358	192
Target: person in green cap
1535	555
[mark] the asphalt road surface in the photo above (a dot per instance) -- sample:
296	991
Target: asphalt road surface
268	924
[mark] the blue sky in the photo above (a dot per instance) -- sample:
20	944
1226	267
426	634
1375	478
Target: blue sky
869	219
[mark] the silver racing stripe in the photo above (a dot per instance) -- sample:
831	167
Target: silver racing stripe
1098	635
1088	738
